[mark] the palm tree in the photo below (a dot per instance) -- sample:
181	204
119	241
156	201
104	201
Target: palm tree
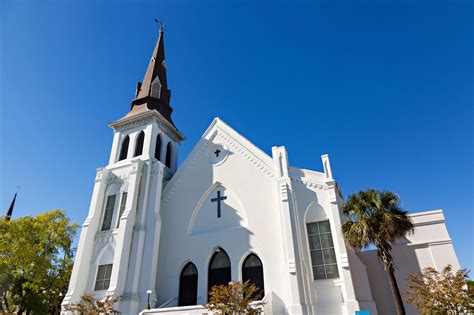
375	217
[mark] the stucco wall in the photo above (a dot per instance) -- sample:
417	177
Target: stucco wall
429	246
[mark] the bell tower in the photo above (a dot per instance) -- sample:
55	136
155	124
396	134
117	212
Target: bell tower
118	247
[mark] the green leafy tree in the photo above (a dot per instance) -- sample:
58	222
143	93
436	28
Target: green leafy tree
36	262
92	306
439	292
376	218
234	299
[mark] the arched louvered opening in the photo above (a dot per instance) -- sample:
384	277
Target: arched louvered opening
139	144
124	148
158	148
188	281
219	270
168	154
156	88
252	270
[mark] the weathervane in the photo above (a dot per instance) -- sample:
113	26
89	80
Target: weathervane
161	24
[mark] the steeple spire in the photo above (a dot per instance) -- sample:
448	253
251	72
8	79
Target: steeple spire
10	210
153	91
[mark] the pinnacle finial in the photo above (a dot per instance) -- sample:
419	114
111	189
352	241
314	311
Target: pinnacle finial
161	24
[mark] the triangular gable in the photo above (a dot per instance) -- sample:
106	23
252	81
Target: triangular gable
233	140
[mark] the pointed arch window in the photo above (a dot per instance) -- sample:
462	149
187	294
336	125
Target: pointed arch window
108	213
139	144
158	148
188	281
168	155
219	269
124	148
252	270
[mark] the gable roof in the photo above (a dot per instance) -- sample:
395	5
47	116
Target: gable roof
233	140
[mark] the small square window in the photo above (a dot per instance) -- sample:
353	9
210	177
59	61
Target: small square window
331	271
317	257
312	228
326	240
314	242
329	256
324	227
319	272
102	282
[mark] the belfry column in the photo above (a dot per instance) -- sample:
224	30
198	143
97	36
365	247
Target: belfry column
335	200
289	227
85	247
124	237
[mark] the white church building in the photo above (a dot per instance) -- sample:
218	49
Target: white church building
161	235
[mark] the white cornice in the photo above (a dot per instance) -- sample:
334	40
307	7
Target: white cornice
142	118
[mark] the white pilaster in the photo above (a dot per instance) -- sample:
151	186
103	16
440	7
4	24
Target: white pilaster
125	234
85	246
289	227
347	285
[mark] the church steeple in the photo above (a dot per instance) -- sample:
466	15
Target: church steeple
153	91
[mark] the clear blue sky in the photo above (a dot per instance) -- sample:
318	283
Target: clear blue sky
384	87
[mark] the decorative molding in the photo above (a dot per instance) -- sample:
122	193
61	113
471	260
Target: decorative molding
284	190
206	140
105	237
308	183
247	154
344	260
143	118
138	227
292	266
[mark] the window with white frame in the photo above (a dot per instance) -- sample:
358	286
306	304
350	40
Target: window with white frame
102	281
109	213
123	203
321	246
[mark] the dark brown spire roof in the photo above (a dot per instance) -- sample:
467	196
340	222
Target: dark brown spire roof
153	91
10	210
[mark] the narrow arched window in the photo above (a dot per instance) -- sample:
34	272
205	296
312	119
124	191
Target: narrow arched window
252	270
168	154
139	144
219	270
124	148
158	148
188	281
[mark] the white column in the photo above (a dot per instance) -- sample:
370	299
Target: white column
151	277
115	147
85	247
125	234
148	142
290	233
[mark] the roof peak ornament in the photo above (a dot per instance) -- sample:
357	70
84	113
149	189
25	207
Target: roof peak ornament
161	25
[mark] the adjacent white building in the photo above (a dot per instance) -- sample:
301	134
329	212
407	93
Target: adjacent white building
229	212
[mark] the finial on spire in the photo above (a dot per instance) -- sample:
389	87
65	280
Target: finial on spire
161	24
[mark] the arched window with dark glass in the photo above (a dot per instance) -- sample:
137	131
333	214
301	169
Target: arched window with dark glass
158	148
139	144
168	154
219	269
252	269
188	281
124	148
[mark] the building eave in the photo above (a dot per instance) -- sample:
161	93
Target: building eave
128	121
